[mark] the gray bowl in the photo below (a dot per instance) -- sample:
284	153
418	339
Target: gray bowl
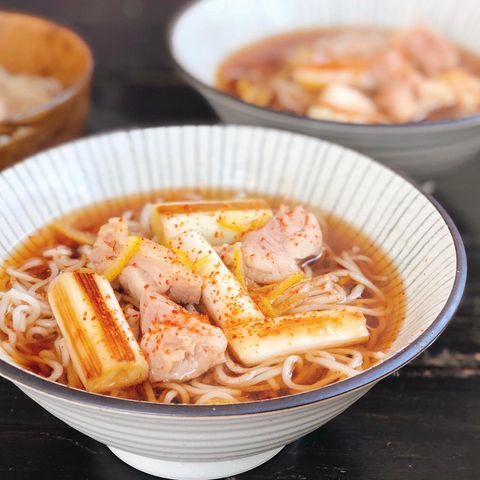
206	31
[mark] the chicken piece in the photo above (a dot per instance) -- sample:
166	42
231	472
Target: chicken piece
155	307
298	230
398	101
465	88
428	50
179	345
168	273
157	265
141	289
291	96
391	65
271	253
395	82
402	93
183	350
434	94
345	104
414	101
112	238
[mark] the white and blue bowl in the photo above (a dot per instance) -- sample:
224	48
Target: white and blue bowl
207	31
200	442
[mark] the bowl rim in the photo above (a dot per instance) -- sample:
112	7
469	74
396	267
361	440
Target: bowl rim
30	116
364	379
375	129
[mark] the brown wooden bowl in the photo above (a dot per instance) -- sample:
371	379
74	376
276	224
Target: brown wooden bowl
36	46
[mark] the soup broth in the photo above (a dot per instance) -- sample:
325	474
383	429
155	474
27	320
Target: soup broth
40	350
357	74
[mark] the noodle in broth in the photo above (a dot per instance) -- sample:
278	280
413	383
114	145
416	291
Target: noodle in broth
346	276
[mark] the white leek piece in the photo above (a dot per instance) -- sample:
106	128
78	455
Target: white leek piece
103	350
218	221
222	295
297	333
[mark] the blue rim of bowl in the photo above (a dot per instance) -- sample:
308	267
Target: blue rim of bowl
292	117
366	378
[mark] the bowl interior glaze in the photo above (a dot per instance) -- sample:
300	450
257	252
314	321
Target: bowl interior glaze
420	148
232	26
414	231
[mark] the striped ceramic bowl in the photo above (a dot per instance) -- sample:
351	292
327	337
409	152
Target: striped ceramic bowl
193	442
414	148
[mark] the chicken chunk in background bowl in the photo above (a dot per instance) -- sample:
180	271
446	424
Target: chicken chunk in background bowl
390	81
148	288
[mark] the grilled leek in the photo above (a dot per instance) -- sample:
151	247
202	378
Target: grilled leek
103	350
222	295
219	222
272	337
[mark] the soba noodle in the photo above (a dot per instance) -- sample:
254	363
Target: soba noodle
30	336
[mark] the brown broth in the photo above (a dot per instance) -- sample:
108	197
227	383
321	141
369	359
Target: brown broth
267	56
340	236
269	53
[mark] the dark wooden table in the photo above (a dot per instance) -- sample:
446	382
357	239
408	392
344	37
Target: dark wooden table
423	423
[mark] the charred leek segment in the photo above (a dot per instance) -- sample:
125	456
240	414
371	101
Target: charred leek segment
218	222
222	295
273	337
104	352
